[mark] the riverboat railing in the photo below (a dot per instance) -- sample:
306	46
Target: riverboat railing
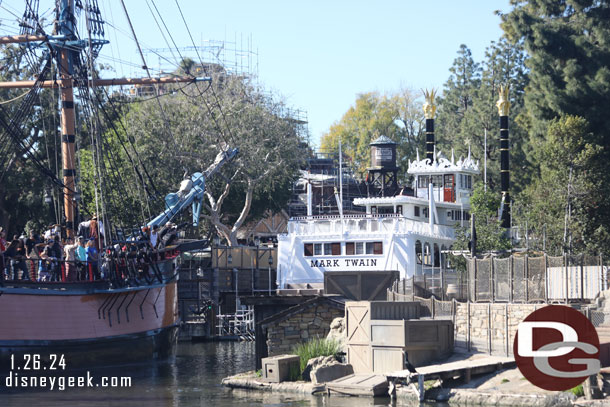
378	224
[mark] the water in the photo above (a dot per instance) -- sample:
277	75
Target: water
191	379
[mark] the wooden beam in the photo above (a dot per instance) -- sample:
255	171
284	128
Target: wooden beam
67	83
16	39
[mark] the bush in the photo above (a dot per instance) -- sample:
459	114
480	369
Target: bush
578	391
314	348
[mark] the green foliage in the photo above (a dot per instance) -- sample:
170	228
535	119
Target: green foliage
191	131
504	381
467	108
578	391
398	116
569	47
490	235
563	202
314	348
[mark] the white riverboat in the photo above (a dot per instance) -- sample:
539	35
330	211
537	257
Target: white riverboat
404	232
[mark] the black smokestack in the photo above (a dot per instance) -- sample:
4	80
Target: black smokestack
429	111
503	105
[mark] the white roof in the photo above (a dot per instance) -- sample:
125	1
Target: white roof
404	199
441	165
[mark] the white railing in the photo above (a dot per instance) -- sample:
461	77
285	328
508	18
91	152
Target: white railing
362	224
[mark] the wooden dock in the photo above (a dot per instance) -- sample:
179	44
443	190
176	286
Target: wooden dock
464	368
363	384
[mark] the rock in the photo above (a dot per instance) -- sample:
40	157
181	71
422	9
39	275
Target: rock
338	332
329	373
314	363
325	369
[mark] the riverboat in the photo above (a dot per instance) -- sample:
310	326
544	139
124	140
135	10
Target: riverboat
408	230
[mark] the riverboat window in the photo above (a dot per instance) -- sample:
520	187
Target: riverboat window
466	215
437	180
373	210
374	248
359	247
437	256
335	249
317	249
399	209
423	181
425	212
416	211
450	215
427	255
349	248
385	209
418	252
308	249
469	181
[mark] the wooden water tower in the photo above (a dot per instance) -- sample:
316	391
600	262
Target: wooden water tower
382	175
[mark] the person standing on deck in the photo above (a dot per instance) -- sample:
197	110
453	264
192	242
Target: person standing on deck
92	256
70	258
81	255
96	232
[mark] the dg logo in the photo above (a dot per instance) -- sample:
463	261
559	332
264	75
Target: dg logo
556	348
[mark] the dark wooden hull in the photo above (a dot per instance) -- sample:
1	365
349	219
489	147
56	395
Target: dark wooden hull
145	346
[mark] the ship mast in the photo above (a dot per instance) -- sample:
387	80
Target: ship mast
68	47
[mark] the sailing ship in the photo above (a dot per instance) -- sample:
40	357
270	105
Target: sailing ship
111	320
409	230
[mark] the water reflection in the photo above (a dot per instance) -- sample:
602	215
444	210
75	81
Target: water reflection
190	379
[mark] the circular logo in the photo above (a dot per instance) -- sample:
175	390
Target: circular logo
556	348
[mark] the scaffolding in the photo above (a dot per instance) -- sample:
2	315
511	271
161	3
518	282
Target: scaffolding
239	325
322	171
235	57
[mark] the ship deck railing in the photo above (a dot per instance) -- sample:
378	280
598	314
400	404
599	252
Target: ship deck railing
365	223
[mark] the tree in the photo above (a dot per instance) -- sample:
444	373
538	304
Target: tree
398	116
569	46
467	109
231	114
568	43
22	187
490	235
563	202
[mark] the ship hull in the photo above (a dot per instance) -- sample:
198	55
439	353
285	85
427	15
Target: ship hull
144	346
89	327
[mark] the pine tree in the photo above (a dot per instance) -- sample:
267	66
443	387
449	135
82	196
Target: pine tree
568	43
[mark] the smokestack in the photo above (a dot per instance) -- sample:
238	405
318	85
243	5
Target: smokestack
429	111
503	105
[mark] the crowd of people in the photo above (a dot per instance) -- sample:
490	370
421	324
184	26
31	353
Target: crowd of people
51	257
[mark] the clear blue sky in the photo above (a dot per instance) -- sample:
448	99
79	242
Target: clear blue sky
318	54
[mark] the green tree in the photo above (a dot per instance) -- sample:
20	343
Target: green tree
398	116
467	109
568	43
490	235
232	114
22	186
563	202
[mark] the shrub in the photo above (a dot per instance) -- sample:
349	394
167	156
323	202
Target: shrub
314	348
578	391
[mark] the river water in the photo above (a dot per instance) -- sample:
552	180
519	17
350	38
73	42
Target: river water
191	379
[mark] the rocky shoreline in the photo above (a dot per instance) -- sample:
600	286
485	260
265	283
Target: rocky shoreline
503	388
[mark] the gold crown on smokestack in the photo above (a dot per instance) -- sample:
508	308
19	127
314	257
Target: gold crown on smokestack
503	103
429	106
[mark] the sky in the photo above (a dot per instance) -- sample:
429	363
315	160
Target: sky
317	55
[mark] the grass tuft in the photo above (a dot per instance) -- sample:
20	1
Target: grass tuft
314	348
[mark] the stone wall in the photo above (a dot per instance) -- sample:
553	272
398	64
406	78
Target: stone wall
301	326
489	327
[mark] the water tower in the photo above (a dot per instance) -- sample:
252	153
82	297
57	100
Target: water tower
382	177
